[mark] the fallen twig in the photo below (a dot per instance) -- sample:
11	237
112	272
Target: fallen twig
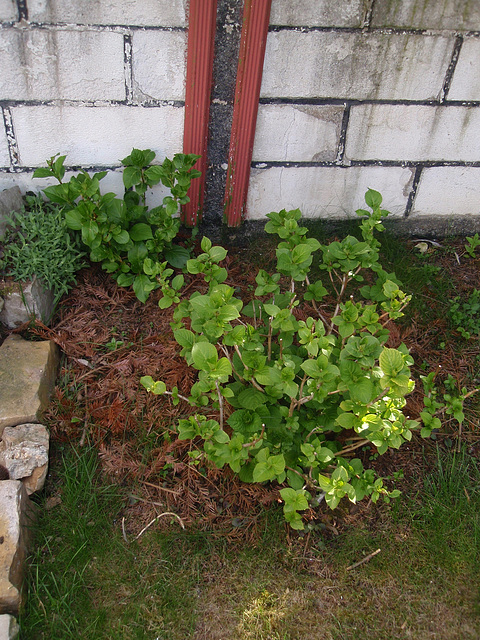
157	486
167	513
366	559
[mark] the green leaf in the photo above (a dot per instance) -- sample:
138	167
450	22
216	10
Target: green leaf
204	355
301	253
131	176
206	244
251	398
223	369
158	387
271	309
74	220
391	362
122	237
184	337
373	198
217	254
177	256
362	390
142	285
42	172
141	231
295	499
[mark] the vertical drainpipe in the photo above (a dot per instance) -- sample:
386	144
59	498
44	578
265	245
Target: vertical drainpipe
256	15
200	46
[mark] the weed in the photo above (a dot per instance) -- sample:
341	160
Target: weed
39	243
465	314
472	243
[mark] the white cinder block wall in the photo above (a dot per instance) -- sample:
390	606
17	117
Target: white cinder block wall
382	94
90	79
355	94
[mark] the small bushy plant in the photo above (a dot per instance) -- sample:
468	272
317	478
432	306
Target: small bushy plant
465	314
132	242
472	243
39	244
301	377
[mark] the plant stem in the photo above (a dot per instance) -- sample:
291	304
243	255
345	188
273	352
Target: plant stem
220	403
345	282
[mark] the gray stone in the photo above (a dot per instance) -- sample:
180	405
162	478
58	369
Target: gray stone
439	189
318	13
14	518
428	14
27	375
168	13
355	65
297	132
326	192
8	10
413	132
24	452
61	65
466	80
9	628
23	302
10	200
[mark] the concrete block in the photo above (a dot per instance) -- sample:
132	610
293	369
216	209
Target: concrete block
67	65
27	376
96	136
24	453
21	180
448	191
356	66
413	132
168	13
13	550
466	79
10	201
158	59
8	11
326	192
428	14
317	13
297	132
4	155
9	628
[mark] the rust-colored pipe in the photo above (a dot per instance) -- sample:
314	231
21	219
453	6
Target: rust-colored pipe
256	15
201	40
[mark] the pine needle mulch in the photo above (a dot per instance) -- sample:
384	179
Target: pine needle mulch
109	340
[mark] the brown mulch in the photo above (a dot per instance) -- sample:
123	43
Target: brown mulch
110	340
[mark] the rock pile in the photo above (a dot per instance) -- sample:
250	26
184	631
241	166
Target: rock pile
27	375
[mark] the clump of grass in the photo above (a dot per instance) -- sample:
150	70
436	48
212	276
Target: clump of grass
38	244
87	582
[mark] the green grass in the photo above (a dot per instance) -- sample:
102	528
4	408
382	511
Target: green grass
86	582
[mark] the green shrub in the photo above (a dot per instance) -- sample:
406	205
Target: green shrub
39	244
300	377
122	233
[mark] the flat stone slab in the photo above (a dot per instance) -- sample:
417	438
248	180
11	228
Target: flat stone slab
9	628
27	376
14	514
24	453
